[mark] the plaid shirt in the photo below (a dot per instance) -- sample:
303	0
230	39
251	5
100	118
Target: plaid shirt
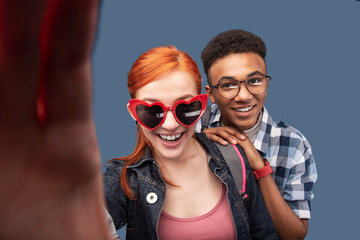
290	156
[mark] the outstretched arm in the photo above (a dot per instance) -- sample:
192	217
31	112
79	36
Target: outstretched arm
51	184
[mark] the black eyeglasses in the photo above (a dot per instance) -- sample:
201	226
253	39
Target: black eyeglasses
229	87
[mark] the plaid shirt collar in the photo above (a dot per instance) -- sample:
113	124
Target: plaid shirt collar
261	142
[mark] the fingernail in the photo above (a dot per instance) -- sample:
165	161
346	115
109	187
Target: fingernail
233	141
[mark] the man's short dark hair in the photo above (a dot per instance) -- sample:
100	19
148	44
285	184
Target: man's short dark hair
232	41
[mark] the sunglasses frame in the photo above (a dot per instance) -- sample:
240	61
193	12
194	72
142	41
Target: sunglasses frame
133	103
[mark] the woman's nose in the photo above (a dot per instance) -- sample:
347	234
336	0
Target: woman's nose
170	122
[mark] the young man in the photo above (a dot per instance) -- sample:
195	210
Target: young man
234	62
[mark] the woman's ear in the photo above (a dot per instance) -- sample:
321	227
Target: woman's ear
128	108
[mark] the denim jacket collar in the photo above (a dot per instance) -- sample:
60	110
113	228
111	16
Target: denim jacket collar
147	156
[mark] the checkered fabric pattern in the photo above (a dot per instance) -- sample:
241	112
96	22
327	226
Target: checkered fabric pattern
290	156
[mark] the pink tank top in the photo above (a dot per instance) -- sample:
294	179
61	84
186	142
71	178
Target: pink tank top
217	224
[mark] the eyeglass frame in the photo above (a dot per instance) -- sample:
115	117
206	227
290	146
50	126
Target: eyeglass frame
239	82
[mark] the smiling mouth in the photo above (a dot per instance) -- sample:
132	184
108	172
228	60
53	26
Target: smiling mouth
245	109
170	138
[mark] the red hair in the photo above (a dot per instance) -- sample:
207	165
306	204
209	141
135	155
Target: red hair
148	67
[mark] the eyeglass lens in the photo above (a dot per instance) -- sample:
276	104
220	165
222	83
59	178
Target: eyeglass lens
188	113
256	85
150	116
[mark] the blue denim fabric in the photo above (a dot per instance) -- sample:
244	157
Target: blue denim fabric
251	218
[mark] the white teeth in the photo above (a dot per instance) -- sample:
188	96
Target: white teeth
170	137
244	109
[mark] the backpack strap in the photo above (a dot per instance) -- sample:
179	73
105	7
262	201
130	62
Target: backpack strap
232	156
205	118
236	164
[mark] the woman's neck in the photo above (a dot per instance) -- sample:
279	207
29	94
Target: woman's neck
191	149
193	158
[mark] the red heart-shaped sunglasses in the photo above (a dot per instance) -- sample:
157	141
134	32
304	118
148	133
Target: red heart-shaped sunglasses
151	116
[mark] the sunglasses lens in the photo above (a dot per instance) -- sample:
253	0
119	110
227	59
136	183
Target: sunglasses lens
188	113
150	116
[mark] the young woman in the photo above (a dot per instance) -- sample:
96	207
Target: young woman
176	185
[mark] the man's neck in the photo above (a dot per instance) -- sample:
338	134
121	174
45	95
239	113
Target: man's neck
252	132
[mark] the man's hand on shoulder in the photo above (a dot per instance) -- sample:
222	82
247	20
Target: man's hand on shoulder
226	135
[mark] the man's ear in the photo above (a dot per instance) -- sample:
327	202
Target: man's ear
209	93
128	108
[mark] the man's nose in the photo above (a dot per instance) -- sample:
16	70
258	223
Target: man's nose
243	94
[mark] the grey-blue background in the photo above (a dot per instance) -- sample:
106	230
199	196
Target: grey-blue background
313	58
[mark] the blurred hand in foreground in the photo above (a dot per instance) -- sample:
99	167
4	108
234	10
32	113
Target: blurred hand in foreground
51	181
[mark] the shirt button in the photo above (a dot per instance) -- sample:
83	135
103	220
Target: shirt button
151	198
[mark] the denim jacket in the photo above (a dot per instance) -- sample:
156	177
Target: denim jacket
251	218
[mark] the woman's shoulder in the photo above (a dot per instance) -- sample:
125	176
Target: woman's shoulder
206	143
115	163
114	167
